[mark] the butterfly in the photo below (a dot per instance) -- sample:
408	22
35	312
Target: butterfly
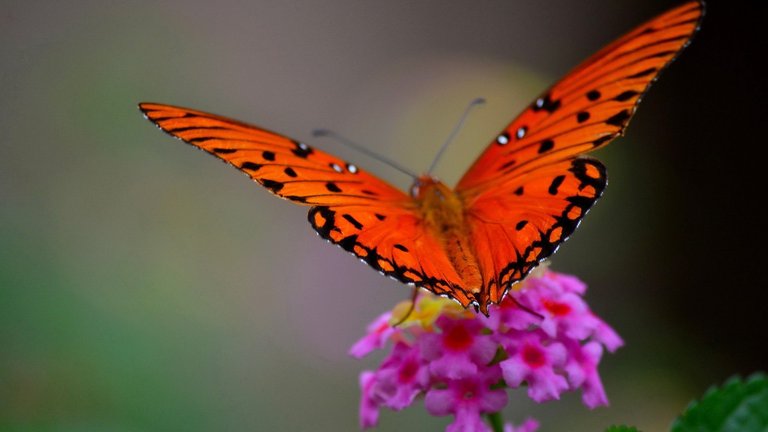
524	195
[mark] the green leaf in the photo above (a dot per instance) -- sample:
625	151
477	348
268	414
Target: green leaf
737	406
622	428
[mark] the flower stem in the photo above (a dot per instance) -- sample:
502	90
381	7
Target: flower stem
496	421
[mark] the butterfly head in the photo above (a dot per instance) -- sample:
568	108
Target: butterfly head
437	201
426	185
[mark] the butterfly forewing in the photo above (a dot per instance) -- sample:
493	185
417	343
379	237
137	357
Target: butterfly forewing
286	167
590	106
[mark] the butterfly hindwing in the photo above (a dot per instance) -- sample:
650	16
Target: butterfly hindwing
519	225
286	167
394	241
590	106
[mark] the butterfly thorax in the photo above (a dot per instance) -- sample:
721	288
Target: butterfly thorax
443	213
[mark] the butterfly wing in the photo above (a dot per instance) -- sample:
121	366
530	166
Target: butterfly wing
530	188
590	106
351	208
286	167
393	240
517	226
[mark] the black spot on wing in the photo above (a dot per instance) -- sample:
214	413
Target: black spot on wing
268	155
348	243
219	150
250	166
602	140
332	187
401	247
582	116
301	150
546	146
290	172
593	95
519	191
272	185
643	73
507	164
627	95
556	182
353	221
520	225
380	217
619	119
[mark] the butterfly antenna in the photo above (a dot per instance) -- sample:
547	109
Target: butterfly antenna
349	143
454	132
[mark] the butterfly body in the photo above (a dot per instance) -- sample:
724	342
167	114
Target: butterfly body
524	195
443	213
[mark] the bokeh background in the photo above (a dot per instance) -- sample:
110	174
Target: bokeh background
147	287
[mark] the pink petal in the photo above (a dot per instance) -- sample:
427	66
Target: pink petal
607	336
546	385
468	420
369	409
493	401
514	371
440	402
454	366
529	425
378	333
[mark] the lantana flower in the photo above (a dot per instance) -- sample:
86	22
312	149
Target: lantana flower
463	363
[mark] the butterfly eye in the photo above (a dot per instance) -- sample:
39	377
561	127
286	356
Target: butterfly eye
415	189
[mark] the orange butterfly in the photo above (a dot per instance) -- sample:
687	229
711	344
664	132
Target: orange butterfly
524	195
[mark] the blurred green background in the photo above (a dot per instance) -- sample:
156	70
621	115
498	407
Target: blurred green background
147	287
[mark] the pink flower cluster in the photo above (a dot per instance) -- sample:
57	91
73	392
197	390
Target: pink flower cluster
462	362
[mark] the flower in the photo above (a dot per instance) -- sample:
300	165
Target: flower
535	360
467	398
546	337
459	349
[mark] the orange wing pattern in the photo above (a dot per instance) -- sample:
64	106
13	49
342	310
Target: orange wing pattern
588	108
286	167
351	208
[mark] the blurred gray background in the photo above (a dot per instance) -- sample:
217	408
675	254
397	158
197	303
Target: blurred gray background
145	286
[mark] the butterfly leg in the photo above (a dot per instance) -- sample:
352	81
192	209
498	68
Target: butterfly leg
410	310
